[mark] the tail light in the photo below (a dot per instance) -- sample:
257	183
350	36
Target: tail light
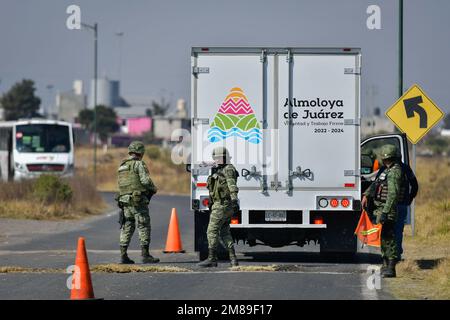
334	203
318	220
234	220
345	202
205	202
323	203
349	185
201	184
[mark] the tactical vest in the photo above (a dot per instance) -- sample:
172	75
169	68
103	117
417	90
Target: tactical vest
128	179
381	191
217	186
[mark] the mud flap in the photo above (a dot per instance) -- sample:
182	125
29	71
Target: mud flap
339	235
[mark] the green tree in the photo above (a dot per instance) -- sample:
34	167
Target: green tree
106	121
20	101
447	121
86	118
159	108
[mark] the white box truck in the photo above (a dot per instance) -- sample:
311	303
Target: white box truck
290	118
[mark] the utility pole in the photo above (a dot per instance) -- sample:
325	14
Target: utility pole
400	93
119	35
95	29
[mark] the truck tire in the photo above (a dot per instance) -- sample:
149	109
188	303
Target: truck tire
200	240
339	237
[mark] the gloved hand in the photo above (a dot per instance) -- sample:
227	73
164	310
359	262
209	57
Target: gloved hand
364	202
381	218
235	206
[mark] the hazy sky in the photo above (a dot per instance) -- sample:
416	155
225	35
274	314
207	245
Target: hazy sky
158	35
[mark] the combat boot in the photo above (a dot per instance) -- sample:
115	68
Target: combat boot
147	257
389	272
124	259
385	265
233	259
211	261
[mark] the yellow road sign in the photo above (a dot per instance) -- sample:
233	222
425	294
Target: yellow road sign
414	113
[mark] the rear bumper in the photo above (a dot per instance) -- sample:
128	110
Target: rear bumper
19	175
278	226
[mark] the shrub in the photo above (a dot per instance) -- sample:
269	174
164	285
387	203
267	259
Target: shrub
153	152
51	189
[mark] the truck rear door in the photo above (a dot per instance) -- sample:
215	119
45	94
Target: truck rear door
228	109
319	118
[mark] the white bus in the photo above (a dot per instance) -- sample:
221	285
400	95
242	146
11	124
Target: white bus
29	148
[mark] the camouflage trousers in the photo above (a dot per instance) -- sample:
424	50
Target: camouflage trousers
388	240
136	215
219	226
389	248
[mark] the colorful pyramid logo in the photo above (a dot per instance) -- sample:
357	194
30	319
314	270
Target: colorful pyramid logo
235	118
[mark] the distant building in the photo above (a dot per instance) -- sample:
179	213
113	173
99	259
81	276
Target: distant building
69	104
376	124
163	126
131	111
445	132
135	127
108	93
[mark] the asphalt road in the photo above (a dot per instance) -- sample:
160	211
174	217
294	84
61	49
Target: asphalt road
313	277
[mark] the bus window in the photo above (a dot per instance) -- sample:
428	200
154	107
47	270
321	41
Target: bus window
42	138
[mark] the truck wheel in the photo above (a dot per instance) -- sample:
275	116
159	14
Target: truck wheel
203	255
200	240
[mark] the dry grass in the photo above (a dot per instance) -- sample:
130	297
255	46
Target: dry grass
168	177
15	269
18	202
120	268
103	268
269	268
425	272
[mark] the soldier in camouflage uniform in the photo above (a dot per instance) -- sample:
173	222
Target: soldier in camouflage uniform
388	189
223	197
135	191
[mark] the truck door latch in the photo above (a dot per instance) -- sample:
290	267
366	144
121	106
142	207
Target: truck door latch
298	173
252	173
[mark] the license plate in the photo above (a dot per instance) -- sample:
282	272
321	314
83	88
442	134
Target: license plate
276	216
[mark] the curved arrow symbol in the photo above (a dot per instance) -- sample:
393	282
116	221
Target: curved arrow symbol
412	105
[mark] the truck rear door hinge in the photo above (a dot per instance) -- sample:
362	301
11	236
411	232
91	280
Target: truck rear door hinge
197	70
288	56
197	121
350	173
352	122
356	70
263	56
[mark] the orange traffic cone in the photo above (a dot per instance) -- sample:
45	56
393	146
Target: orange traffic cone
173	244
81	280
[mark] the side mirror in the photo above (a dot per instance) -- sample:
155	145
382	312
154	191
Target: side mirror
188	167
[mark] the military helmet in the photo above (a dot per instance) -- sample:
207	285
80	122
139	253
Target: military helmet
220	152
388	151
136	147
